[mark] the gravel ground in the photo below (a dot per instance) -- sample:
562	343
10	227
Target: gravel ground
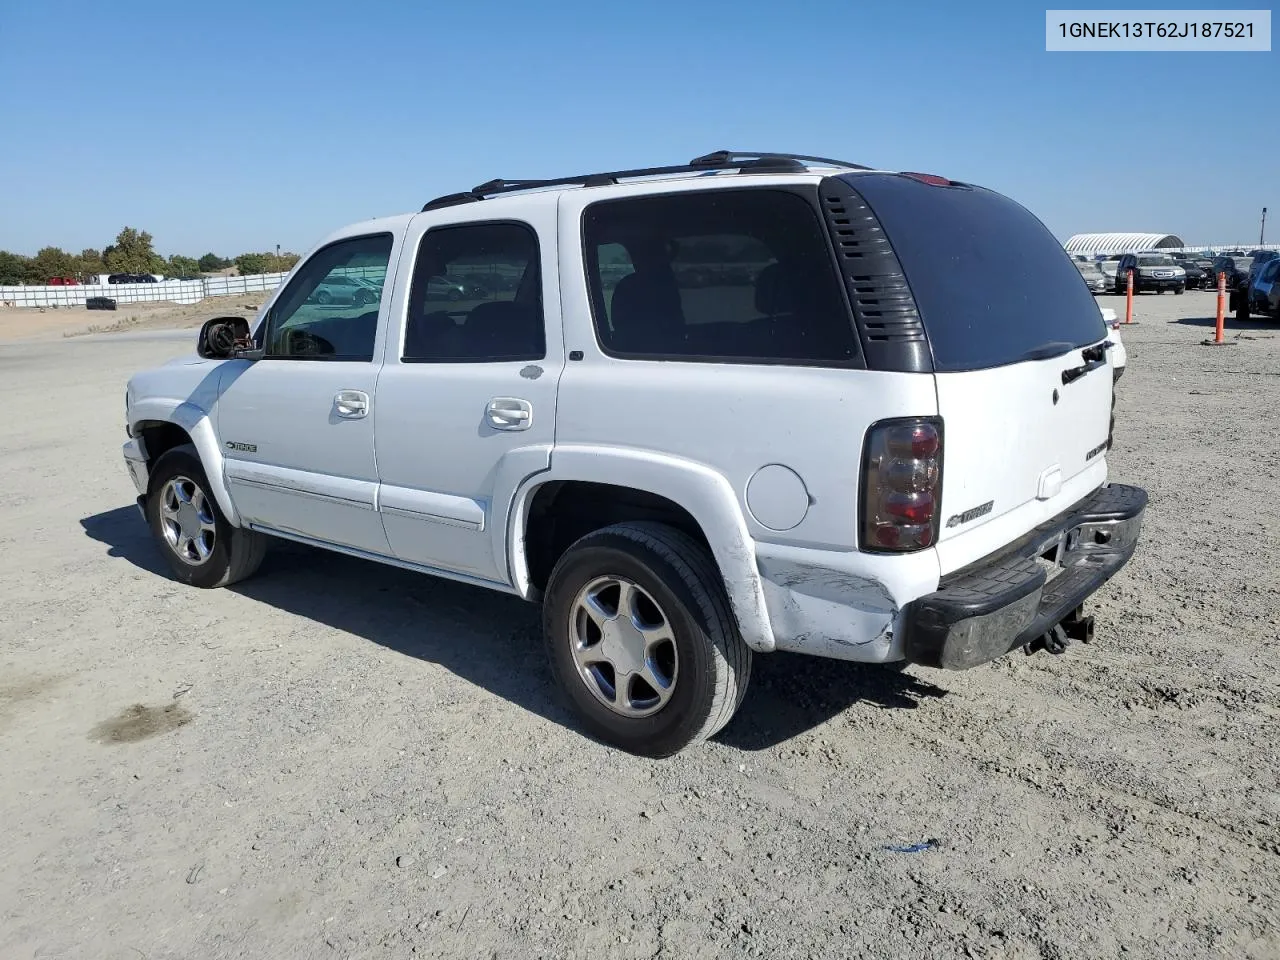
46	323
337	759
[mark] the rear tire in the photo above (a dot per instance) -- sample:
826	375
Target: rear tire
674	690
202	548
1242	309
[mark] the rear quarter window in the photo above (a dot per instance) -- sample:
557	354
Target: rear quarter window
990	281
726	275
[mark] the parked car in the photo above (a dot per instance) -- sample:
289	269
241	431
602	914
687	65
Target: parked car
132	278
1093	276
1151	271
63	282
1236	268
658	464
343	289
1196	276
455	289
1259	259
1257	297
1108	268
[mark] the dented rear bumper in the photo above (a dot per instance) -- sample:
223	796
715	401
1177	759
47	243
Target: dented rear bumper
1020	594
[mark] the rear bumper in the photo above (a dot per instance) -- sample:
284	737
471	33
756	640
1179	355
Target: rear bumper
1007	601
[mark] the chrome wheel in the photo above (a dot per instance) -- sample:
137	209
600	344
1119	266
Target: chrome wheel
187	521
623	646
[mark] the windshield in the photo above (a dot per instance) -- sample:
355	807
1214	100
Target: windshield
951	241
1155	261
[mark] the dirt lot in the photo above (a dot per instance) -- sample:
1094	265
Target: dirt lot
337	759
32	323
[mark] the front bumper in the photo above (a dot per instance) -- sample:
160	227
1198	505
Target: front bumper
1007	601
1160	283
135	462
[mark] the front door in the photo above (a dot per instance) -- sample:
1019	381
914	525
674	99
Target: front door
296	427
466	402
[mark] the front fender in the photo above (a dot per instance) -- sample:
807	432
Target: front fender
706	494
196	422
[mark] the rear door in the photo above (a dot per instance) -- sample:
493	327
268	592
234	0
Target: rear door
466	405
1018	349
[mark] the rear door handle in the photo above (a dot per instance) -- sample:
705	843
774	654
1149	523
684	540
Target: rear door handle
351	404
509	413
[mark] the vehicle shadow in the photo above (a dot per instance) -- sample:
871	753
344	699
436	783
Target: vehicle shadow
791	694
494	640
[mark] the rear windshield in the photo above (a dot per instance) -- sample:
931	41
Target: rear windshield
992	284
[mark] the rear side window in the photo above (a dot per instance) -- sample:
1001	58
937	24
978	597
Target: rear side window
726	275
992	284
476	296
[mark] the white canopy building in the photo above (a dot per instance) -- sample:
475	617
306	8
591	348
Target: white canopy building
1122	242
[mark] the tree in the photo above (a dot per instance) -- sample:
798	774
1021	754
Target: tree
13	268
90	262
283	263
249	264
180	266
52	262
132	253
211	262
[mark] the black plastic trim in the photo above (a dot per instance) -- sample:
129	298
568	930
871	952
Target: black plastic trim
884	311
1006	600
742	161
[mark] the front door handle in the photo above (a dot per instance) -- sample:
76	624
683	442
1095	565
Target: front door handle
351	404
509	413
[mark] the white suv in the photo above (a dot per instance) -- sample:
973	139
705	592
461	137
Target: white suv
745	404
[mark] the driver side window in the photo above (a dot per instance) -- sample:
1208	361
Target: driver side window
329	311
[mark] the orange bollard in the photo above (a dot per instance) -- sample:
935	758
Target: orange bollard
1128	300
1222	307
1219	340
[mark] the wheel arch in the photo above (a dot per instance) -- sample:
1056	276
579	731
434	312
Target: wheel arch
587	488
161	426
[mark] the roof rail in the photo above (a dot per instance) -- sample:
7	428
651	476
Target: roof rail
719	160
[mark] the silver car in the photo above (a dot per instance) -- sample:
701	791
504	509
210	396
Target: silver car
1093	276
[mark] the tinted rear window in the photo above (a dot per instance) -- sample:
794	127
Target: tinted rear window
992	284
725	275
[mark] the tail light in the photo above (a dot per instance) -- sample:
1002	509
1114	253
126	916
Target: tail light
901	485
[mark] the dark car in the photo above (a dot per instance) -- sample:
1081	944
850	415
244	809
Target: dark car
131	278
1198	276
1260	259
1151	271
1257	297
1236	267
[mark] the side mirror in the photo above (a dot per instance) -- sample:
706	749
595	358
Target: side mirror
223	337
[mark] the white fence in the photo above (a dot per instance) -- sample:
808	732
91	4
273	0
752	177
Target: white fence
175	291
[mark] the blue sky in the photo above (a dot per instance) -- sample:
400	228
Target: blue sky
257	123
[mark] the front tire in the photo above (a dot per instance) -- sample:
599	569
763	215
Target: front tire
642	640
202	548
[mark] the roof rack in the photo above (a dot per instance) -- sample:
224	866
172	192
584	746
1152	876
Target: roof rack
753	162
